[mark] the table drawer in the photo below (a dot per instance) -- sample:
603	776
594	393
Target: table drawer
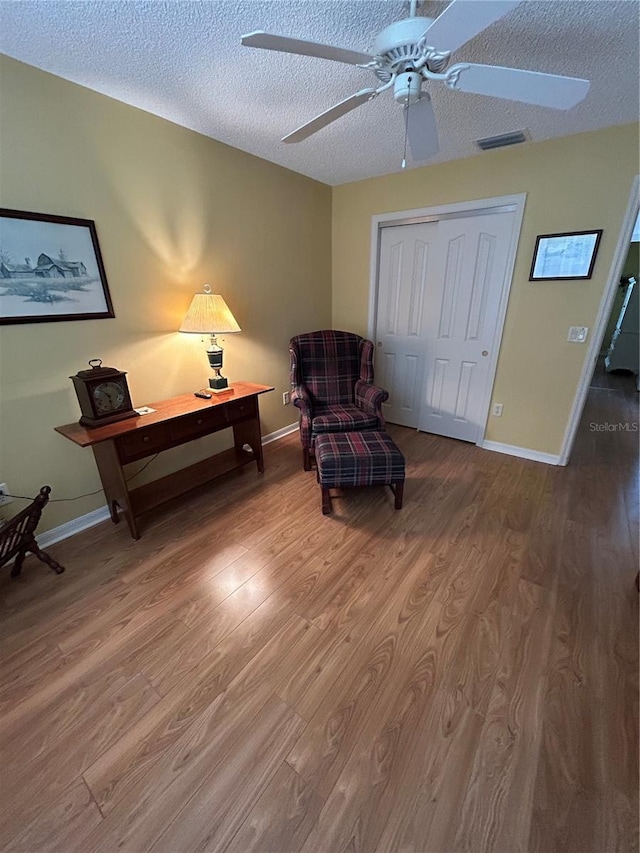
142	442
197	424
241	409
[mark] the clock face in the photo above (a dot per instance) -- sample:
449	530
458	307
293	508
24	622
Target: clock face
108	397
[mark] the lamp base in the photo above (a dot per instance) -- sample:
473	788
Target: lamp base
219	384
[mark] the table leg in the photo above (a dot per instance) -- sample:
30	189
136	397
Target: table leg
248	432
114	484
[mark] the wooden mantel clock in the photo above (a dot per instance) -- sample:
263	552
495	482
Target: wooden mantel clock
103	395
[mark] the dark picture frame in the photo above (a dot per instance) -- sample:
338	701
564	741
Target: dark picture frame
51	269
570	256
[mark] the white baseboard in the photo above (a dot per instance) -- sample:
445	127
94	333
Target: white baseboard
279	433
522	452
70	528
90	519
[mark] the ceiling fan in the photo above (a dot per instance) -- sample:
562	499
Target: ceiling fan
413	50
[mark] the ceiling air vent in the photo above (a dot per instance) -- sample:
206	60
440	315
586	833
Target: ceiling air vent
503	140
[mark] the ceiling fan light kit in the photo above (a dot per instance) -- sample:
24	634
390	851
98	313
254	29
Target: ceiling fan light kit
407	88
417	49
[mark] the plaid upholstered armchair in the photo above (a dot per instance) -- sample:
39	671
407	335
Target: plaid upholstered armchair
332	385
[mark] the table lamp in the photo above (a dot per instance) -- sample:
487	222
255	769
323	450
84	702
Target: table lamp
209	314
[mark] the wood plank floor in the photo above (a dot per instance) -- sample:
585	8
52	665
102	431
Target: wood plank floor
461	675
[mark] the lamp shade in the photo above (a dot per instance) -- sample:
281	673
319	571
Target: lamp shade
209	314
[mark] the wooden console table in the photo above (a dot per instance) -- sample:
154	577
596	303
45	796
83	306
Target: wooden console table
175	421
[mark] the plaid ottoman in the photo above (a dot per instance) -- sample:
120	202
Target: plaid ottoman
358	459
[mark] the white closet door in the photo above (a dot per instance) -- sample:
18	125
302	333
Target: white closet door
460	324
405	266
440	285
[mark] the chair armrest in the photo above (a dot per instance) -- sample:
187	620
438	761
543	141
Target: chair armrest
301	399
370	398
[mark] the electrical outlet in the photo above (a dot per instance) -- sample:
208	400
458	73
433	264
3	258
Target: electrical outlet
5	495
286	398
497	410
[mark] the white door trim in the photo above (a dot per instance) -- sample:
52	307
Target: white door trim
602	318
426	214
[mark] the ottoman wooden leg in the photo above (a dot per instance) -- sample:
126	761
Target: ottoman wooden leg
326	501
398	491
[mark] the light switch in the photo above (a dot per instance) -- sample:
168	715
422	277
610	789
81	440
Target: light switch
578	334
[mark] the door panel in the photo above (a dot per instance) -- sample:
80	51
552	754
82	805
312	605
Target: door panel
450	286
467	288
481	283
405	259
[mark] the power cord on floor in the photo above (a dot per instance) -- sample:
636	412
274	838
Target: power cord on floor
88	494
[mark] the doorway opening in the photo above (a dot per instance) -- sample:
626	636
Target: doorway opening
610	367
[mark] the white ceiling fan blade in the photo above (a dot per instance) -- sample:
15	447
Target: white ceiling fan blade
330	115
530	87
422	132
267	41
464	19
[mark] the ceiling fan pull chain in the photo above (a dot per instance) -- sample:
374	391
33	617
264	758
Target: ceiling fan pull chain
406	134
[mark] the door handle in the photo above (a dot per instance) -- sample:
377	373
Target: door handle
379	343
485	353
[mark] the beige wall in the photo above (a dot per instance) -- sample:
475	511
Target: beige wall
173	210
572	184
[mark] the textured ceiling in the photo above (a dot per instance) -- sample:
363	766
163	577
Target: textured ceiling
183	61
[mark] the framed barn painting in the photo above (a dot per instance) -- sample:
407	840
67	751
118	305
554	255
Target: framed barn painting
50	269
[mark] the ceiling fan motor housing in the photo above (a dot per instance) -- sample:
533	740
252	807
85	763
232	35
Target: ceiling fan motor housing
398	42
402	45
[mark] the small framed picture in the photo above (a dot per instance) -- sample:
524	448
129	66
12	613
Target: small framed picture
565	256
50	269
